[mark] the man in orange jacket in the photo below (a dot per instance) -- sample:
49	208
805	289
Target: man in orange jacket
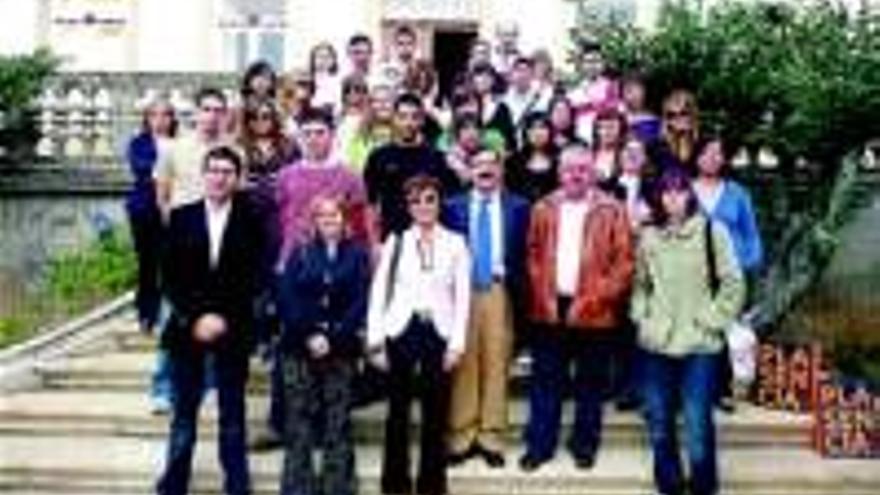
580	266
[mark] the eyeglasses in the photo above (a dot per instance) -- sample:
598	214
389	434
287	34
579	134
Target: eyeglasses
224	171
264	116
356	89
423	199
673	114
212	109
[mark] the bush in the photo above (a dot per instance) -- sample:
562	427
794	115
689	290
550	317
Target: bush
21	80
75	282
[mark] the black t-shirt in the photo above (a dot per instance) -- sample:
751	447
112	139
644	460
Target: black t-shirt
390	166
530	184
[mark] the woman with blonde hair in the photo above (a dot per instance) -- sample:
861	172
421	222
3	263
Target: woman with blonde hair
679	131
323	304
324	71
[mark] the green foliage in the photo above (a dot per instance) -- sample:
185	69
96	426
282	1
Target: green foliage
802	81
106	267
799	79
21	80
74	282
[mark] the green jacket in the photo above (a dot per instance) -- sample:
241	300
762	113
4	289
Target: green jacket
671	304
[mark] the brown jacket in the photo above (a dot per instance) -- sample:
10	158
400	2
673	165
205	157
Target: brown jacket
606	265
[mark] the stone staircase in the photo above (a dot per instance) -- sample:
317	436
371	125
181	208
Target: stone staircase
87	429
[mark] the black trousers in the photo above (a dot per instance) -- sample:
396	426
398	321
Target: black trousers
416	370
146	233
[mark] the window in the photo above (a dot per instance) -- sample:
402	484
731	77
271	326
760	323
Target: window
608	11
252	30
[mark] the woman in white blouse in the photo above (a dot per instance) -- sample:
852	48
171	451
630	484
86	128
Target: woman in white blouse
419	306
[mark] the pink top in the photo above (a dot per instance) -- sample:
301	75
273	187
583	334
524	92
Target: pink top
299	185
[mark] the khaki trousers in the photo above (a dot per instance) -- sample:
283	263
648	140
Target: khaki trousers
478	408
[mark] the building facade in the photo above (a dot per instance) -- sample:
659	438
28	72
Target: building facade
226	35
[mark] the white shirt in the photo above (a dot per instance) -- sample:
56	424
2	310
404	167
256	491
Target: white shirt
496	219
570	241
522	103
218	217
441	288
708	197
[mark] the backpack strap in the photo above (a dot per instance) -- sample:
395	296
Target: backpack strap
714	282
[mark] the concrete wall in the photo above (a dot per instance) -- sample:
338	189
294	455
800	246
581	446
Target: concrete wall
40	218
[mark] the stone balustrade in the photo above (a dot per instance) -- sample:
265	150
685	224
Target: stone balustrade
88	117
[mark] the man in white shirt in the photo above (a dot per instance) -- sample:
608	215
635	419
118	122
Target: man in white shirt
580	265
522	96
178	173
211	277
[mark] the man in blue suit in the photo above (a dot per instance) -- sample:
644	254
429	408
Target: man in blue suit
495	223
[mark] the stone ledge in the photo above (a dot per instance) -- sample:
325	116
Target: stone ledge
106	178
19	364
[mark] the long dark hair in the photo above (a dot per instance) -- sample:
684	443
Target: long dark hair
673	179
532	120
256	69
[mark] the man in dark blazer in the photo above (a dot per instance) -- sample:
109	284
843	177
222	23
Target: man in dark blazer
495	223
211	273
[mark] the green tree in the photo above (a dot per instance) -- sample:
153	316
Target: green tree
802	81
21	80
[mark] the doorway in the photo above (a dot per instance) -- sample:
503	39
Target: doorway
451	50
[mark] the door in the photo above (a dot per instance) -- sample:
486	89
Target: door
451	51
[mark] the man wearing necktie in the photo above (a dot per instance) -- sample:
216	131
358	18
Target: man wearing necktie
495	223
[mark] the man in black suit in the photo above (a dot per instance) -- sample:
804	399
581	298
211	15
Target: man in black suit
210	275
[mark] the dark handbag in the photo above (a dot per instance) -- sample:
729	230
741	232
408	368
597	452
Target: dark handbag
370	384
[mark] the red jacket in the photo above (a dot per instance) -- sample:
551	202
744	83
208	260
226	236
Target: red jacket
606	264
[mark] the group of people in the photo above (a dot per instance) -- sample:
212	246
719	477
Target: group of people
346	223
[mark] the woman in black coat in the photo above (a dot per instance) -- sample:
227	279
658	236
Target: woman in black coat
323	300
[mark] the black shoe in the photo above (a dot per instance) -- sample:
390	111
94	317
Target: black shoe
530	463
585	462
493	459
627	403
457	458
266	441
727	405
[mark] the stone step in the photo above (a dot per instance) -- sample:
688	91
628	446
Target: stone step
119	371
128	466
69	413
132	371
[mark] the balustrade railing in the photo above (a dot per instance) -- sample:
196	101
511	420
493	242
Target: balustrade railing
89	117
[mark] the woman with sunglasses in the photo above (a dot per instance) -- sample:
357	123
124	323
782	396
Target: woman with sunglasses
679	132
418	315
688	288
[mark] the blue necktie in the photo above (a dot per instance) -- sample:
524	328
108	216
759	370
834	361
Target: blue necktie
483	248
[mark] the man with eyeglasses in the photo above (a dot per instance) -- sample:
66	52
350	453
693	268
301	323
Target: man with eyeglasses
178	174
211	278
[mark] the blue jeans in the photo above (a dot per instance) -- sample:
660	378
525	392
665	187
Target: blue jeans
553	351
687	384
188	377
161	388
